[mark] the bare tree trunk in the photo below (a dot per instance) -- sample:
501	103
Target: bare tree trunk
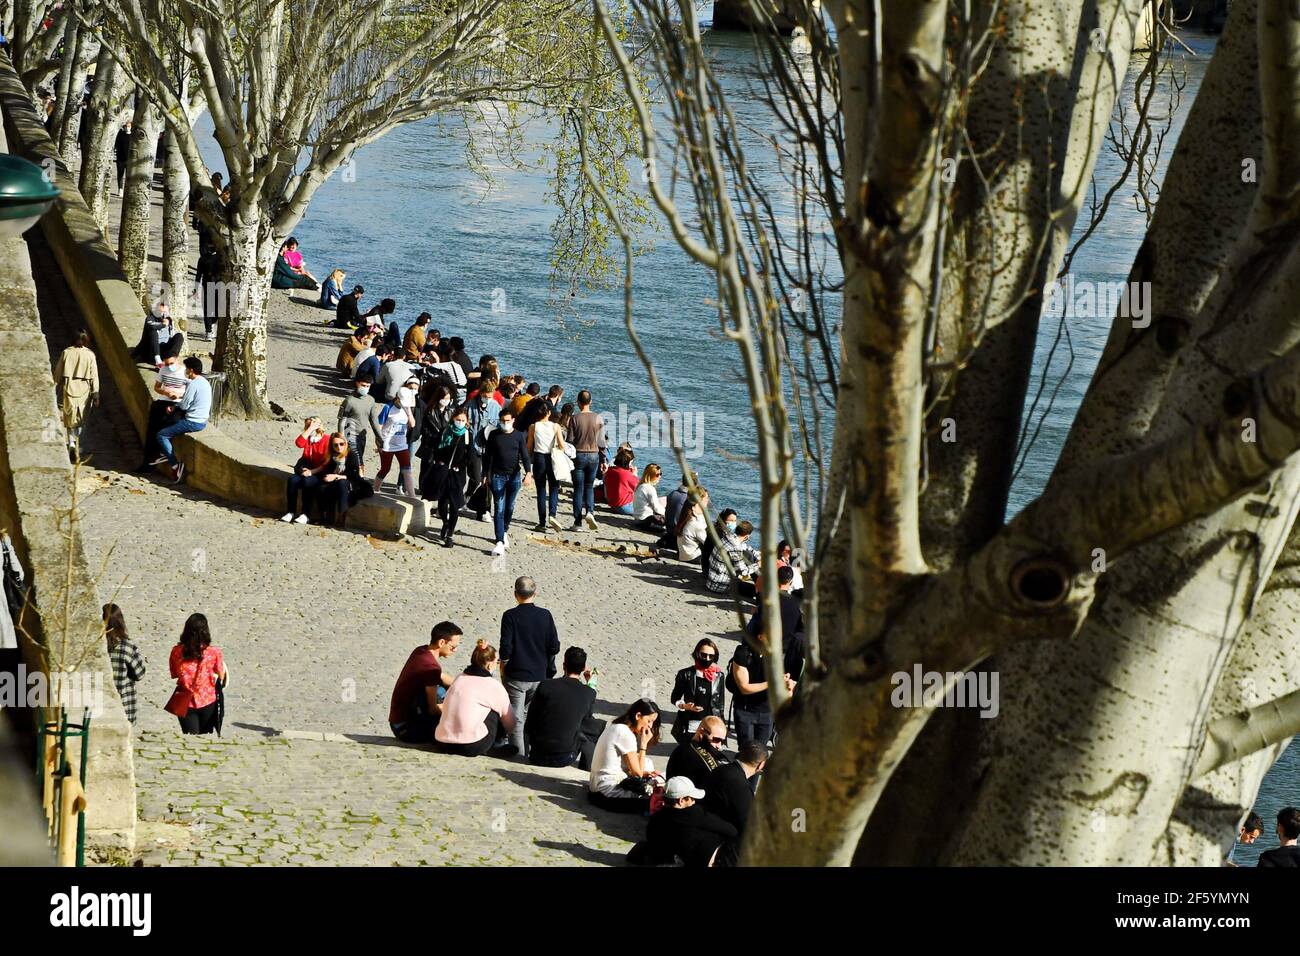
71	52
97	149
241	335
68	113
175	231
137	197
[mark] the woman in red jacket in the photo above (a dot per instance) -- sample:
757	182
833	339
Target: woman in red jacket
620	483
197	667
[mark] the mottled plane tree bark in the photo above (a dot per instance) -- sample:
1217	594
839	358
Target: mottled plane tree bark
1140	612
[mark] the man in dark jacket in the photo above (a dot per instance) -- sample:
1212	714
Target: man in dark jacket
685	830
698	758
529	643
561	727
505	456
122	154
729	791
1288	833
792	627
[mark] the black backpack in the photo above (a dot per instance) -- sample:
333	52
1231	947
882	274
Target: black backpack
729	682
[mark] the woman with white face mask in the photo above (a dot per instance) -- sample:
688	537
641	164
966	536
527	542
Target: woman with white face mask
359	418
438	410
395	422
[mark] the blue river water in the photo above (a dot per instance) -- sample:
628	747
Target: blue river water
411	220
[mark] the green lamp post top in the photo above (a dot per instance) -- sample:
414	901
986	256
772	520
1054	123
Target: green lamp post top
23	183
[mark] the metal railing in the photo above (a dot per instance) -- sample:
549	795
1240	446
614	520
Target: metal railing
63	793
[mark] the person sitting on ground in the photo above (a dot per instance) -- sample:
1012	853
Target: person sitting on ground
792	624
393	337
475	707
701	754
529	643
347	314
198	667
561	727
413	343
342	483
332	290
620	484
359	418
396	419
729	790
622	773
350	351
76	386
460	356
370	361
128	663
674	505
693	528
647	506
193	410
698	691
726	521
686	830
290	272
168	387
442	370
315	445
416	705
160	337
1288	834
744	561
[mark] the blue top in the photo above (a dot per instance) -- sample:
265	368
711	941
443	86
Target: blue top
330	293
197	403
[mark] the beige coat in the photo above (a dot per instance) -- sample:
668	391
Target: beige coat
77	376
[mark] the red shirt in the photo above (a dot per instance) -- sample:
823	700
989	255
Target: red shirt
420	672
620	486
198	677
315	453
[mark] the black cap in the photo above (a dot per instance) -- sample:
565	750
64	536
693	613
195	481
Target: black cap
356	289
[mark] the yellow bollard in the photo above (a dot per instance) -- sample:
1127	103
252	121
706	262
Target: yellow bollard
73	802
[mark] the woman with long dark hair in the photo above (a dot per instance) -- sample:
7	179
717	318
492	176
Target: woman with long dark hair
197	667
698	691
128	663
622	774
444	482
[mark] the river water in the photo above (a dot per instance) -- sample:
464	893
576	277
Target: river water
412	221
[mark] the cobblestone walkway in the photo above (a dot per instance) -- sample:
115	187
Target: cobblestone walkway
315	625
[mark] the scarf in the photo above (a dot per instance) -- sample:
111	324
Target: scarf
475	671
709	673
449	435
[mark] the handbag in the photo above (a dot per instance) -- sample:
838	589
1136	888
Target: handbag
562	457
179	703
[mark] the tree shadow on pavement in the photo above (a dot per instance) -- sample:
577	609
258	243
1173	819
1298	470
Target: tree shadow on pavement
589	854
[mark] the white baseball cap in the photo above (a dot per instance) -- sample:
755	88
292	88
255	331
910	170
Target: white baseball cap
679	787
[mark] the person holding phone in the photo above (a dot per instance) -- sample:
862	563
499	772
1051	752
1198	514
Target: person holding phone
315	444
622	774
698	691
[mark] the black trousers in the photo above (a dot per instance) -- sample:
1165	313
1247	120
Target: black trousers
200	720
479	747
451	501
637	805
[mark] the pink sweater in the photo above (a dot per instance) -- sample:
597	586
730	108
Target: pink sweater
465	708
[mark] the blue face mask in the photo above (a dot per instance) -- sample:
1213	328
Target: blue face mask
731	526
458	428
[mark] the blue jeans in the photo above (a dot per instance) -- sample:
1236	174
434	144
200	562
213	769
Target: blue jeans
504	490
752	725
585	469
544	475
171	431
622	509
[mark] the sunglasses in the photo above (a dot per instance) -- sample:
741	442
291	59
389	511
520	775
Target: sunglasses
717	740
706	657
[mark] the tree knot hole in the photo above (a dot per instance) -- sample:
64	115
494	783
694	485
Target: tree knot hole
1041	583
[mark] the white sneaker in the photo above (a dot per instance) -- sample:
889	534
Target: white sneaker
507	540
498	549
301	519
288	516
591	521
554	523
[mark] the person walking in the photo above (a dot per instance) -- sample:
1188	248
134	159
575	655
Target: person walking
587	433
359	418
128	663
507	453
396	418
544	439
76	383
444	482
529	643
200	672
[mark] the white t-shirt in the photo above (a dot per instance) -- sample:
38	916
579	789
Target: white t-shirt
544	437
607	770
392	435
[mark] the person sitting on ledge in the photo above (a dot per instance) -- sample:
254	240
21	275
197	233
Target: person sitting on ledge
194	408
647	506
290	273
620	483
418	695
332	291
160	337
315	445
475	707
342	483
